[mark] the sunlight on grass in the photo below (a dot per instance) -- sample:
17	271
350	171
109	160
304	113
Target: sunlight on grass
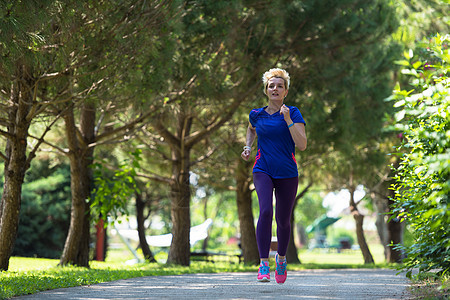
31	275
29	263
346	257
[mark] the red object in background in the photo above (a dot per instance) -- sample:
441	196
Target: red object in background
100	241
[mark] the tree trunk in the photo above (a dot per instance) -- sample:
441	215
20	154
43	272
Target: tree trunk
395	237
359	219
180	194
72	244
394	226
292	252
15	165
76	248
180	144
205	217
382	229
83	258
140	205
245	213
87	128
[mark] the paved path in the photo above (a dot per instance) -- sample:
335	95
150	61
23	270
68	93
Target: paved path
306	284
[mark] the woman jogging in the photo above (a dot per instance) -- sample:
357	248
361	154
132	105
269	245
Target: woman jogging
279	129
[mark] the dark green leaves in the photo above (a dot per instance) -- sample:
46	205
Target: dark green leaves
423	181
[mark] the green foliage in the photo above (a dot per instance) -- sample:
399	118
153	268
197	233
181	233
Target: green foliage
309	208
45	213
430	286
423	182
20	37
420	18
351	51
408	237
113	189
211	53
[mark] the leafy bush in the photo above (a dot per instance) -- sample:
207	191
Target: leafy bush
113	189
423	182
45	211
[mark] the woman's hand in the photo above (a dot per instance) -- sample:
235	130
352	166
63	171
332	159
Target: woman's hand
284	110
297	130
246	154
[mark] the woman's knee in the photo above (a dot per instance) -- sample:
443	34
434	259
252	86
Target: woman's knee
266	214
283	224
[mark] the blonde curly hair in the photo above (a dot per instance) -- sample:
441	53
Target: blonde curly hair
276	73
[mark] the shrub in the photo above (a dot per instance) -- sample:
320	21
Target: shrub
423	176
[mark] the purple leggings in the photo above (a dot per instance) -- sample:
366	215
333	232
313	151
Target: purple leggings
285	192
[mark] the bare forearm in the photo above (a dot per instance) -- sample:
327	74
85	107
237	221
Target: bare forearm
297	130
250	137
299	136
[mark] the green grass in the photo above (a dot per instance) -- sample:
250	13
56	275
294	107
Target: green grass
23	278
31	275
346	257
430	286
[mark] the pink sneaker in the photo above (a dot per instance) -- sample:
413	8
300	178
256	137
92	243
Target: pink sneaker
264	272
280	271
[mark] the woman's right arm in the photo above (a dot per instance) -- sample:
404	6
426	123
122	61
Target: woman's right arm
250	138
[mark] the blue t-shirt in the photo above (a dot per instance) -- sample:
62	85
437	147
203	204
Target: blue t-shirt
276	148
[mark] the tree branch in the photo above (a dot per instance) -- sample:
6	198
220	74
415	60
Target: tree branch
100	119
155	177
6	134
205	156
166	134
178	94
5	158
152	147
64	151
220	118
111	141
303	192
128	126
54	75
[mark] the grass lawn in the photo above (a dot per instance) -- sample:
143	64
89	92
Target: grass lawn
31	275
345	258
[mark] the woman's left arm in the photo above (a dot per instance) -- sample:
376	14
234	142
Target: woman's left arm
298	134
297	130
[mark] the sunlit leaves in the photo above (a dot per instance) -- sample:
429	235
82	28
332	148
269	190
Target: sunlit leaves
114	189
423	186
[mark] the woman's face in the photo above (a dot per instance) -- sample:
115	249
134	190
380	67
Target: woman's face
276	90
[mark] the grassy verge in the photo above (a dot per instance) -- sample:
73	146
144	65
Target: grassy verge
430	286
14	283
31	275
